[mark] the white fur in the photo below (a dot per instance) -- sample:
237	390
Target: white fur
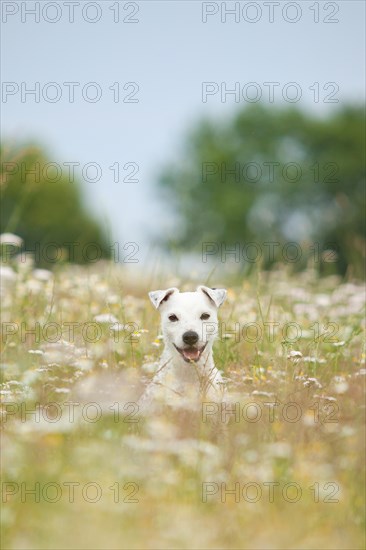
181	381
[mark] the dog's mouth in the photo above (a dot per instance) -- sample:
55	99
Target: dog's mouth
191	353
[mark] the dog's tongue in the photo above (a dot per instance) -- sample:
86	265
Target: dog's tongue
192	354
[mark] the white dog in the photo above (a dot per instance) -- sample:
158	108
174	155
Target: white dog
186	374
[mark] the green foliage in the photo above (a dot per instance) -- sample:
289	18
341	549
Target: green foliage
44	207
226	188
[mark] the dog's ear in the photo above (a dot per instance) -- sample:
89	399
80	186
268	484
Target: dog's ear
157	297
216	295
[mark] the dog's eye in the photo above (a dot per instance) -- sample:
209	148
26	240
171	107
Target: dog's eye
205	316
173	318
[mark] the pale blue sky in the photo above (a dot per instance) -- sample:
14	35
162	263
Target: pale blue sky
169	53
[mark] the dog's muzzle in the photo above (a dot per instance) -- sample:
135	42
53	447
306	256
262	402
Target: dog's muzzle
191	353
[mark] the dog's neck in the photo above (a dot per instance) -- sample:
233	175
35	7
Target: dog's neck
194	379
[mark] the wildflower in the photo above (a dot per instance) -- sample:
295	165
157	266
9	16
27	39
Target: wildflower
7	275
280	449
308	359
10	238
105	318
262	393
312	382
294	354
116	327
42	274
340	385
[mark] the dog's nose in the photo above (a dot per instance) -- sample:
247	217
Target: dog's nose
190	337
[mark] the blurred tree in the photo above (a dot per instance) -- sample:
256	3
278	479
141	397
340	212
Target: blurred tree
274	175
41	203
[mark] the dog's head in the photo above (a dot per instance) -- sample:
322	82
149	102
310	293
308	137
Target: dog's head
189	319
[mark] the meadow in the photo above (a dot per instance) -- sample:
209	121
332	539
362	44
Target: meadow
283	468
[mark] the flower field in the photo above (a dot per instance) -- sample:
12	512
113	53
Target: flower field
282	466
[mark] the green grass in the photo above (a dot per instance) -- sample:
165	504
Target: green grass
164	462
